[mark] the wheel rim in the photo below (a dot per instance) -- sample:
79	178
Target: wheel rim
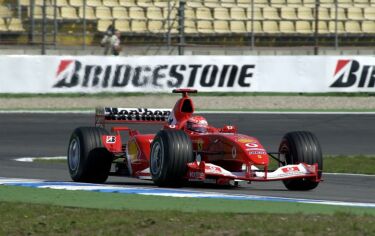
156	158
74	154
287	155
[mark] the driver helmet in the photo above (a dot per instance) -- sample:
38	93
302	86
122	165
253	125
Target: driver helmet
197	124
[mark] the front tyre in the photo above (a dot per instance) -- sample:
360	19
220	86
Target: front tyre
88	159
171	150
301	146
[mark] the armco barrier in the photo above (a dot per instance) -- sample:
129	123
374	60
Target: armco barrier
67	74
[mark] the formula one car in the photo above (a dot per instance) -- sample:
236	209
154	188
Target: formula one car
187	149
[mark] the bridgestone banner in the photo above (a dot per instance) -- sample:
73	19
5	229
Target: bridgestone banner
90	74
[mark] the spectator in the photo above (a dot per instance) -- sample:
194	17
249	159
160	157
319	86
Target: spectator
111	42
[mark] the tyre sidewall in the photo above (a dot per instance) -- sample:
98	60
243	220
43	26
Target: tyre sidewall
176	153
95	161
160	174
78	172
297	144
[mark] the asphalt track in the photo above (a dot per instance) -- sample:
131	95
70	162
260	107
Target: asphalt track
41	135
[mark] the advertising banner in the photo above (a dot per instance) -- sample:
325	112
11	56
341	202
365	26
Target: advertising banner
91	74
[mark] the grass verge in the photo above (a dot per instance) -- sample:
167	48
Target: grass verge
35	219
28	211
117	201
358	164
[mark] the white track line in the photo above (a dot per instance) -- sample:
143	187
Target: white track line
31	159
349	174
166	192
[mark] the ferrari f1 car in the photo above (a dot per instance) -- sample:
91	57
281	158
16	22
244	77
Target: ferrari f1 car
187	149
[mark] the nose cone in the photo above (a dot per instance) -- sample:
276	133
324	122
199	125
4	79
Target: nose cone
259	159
253	150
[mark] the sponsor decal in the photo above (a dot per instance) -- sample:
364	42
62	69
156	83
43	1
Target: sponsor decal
213	170
63	67
251	145
75	73
196	175
136	114
132	150
257	153
351	73
290	169
245	140
254	149
200	144
110	139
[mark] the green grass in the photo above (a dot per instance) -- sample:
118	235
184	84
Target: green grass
358	164
30	211
116	201
34	219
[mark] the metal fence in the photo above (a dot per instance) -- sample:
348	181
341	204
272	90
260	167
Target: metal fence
179	23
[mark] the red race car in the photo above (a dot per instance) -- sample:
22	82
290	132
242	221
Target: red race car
187	149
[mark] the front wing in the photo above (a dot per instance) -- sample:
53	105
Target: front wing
201	171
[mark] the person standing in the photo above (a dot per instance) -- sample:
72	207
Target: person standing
111	42
115	43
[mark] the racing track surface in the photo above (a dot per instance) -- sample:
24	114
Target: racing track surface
40	135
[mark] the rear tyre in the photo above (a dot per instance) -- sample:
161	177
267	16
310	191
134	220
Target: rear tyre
88	159
171	150
301	146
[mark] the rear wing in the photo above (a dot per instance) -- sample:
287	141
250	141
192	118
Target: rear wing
111	115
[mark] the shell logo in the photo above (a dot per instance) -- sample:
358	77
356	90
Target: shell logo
133	150
245	140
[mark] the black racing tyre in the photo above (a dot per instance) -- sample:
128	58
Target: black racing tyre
171	150
301	146
88	159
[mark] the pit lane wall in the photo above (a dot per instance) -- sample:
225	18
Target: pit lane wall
69	74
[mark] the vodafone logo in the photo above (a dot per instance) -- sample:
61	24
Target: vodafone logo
351	73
